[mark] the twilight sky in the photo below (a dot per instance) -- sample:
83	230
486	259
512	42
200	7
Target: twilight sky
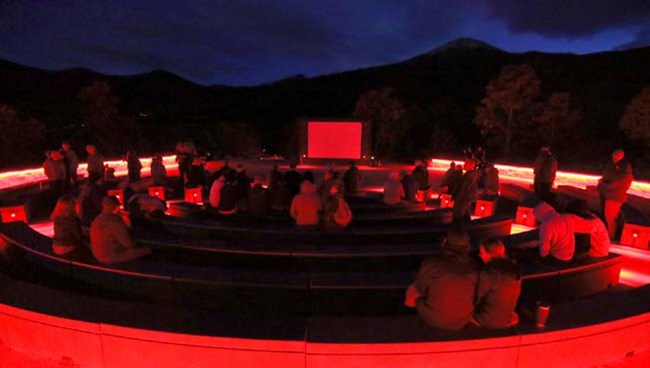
247	42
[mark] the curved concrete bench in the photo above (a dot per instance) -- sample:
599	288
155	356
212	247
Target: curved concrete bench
287	290
493	226
194	211
101	332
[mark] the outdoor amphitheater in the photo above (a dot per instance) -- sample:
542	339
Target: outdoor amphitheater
258	292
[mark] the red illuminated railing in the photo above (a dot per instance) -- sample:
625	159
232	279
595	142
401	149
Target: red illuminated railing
12	179
525	175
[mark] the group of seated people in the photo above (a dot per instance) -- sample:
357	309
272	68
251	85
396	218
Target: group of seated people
453	289
291	192
557	240
110	238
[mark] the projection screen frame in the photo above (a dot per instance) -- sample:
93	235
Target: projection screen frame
303	131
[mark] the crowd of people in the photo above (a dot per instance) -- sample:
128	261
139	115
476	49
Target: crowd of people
453	289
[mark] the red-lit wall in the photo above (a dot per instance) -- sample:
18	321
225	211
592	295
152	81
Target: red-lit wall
334	140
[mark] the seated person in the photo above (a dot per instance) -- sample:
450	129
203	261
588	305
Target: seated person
585	222
67	239
144	204
556	234
393	190
336	214
215	190
280	196
90	199
228	198
306	205
444	288
499	286
109	236
258	198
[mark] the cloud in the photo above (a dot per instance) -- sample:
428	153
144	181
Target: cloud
573	18
642	39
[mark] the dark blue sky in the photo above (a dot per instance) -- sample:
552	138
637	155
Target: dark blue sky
247	42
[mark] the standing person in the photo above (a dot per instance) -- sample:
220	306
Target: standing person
498	289
55	172
545	168
336	212
393	189
352	179
445	186
306	206
409	185
158	171
72	164
95	162
67	238
466	193
183	159
490	182
280	197
616	180
133	165
293	180
243	184
444	288
421	175
109	236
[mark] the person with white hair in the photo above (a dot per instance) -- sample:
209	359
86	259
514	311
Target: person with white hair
556	235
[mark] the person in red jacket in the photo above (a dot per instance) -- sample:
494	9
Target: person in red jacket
306	206
617	179
109	236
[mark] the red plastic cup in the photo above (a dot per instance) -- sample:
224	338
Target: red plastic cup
541	314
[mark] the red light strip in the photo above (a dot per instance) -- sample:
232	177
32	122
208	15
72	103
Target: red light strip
525	175
11	179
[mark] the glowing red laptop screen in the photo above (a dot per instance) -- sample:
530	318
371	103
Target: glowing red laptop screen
334	139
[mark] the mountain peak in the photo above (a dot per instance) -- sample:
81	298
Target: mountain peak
462	43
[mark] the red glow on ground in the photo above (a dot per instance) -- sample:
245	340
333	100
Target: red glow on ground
335	140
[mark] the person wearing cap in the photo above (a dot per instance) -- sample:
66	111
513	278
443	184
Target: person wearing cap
393	189
612	186
544	168
556	235
109	236
498	289
467	192
444	288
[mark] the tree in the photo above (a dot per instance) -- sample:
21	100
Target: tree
506	97
18	136
382	110
559	119
635	122
100	114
